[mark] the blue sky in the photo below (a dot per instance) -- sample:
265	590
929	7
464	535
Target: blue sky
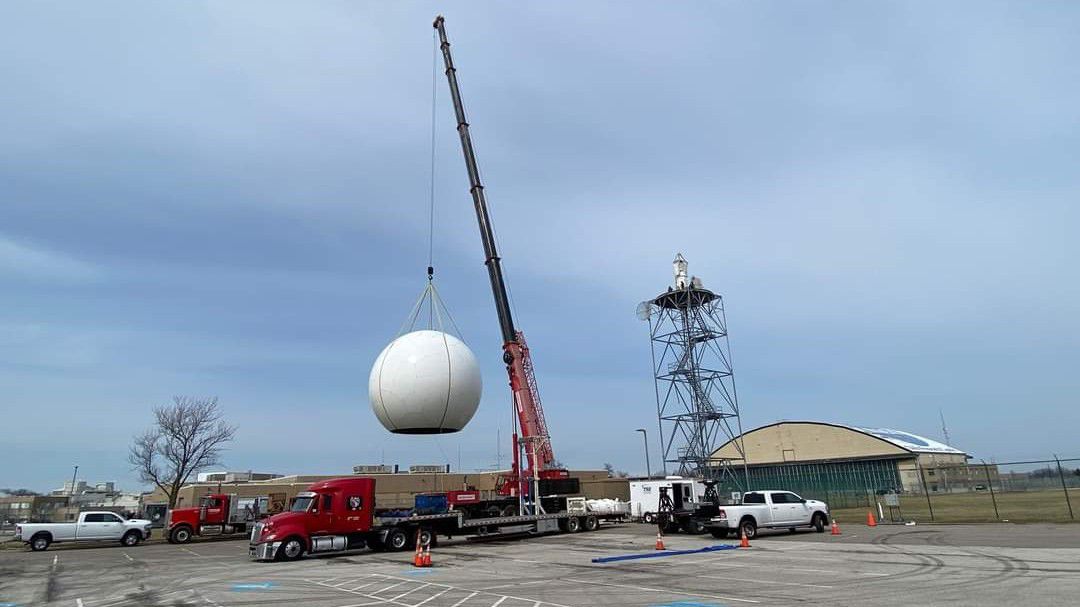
230	199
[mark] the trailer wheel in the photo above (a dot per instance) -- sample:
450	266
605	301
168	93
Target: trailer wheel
427	538
718	532
396	540
649	518
590	523
180	535
291	549
693	526
573	524
40	542
510	510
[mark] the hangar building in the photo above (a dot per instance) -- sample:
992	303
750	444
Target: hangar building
836	461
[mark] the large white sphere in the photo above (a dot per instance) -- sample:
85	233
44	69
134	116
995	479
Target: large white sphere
425	382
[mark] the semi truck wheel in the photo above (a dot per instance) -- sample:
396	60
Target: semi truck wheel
291	549
40	542
649	518
573	524
590	523
180	535
396	540
131	538
427	538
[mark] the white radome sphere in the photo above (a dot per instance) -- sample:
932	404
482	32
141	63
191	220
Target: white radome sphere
425	382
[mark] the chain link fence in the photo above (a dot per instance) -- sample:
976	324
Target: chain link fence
1024	491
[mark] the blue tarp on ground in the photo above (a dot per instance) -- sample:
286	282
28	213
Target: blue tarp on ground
662	553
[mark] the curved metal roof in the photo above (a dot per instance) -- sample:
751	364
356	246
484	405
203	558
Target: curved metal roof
907	440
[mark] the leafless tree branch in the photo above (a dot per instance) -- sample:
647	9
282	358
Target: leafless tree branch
188	436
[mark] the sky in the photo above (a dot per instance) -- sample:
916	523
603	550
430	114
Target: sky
231	199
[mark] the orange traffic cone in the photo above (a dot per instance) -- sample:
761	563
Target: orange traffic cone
427	556
660	541
835	527
745	543
870	522
418	557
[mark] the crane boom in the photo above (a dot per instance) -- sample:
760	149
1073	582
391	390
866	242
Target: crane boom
530	414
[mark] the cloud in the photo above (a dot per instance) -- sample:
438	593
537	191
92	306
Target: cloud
27	262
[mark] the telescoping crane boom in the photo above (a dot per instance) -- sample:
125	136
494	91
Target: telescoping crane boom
530	414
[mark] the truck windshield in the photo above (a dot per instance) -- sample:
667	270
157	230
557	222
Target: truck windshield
301	504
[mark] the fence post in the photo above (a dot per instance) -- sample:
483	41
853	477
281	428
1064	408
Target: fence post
925	488
1064	487
990	485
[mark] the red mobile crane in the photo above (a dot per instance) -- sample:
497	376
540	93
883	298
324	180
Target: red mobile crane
534	438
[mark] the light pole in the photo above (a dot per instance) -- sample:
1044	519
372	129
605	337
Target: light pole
645	437
73	474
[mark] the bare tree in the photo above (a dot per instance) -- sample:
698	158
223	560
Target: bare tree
188	436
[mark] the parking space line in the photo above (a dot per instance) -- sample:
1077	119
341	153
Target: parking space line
78	603
514	584
663	590
391	586
128	557
464	599
361	586
434	596
410	591
499	602
192	552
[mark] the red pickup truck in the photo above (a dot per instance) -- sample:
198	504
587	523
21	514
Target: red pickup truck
341	514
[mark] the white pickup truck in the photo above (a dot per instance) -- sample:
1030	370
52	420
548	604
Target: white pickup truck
770	510
91	527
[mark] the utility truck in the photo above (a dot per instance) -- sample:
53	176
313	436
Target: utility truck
341	514
90	527
217	514
768	510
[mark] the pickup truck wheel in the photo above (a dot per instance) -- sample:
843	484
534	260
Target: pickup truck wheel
590	523
40	542
131	538
291	549
749	528
818	522
396	540
718	533
180	535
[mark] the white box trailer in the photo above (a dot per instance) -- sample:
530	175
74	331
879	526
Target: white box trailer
686	494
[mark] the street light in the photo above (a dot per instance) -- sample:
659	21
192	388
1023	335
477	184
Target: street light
645	437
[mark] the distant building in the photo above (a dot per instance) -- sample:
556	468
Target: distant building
234	477
822	460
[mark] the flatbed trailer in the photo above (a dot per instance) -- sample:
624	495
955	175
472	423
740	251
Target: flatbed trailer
338	515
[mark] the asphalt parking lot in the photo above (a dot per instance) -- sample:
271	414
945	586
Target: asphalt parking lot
888	565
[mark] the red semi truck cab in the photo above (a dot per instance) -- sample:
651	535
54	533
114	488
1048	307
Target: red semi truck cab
216	514
330	516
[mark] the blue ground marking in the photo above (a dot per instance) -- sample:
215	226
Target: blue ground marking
663	553
9	605
253	586
417	571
